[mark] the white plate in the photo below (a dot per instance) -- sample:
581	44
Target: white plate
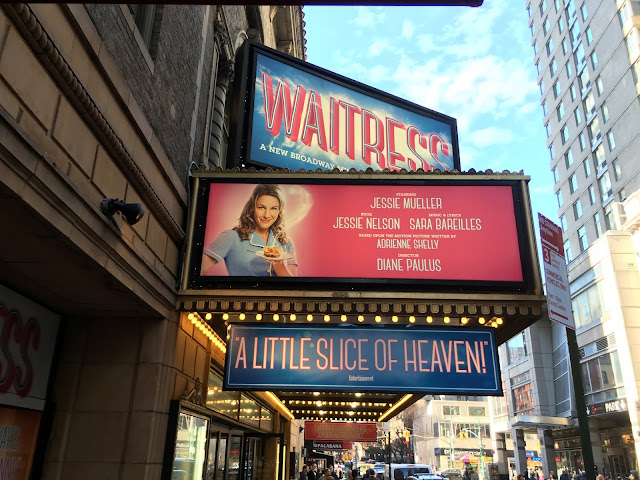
283	256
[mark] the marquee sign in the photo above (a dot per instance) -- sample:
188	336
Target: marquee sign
444	234
354	358
340	431
300	116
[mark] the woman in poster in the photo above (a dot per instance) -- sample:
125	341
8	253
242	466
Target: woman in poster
258	245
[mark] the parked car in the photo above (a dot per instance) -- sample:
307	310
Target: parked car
451	473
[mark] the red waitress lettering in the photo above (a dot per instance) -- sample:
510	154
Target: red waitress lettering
305	121
17	369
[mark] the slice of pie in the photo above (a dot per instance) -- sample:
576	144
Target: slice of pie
272	252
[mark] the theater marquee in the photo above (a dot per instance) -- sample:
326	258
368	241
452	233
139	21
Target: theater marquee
425	233
353	358
299	116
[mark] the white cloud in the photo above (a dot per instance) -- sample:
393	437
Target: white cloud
378	72
490	136
378	47
407	29
366	17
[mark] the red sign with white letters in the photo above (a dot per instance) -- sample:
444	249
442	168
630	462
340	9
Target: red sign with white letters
340	431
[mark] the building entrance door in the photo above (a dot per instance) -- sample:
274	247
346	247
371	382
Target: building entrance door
262	454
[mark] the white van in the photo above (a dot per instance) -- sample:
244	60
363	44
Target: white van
400	471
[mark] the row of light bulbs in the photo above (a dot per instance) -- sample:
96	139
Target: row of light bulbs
337	412
204	327
337	404
276	317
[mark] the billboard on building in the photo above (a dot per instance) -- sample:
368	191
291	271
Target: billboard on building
292	114
428	232
356	358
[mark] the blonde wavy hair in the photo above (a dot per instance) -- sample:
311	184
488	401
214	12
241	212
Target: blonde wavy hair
246	224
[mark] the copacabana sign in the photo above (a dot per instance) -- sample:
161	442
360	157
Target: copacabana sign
305	117
353	358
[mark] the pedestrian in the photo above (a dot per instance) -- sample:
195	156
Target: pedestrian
541	475
466	475
313	473
473	475
304	474
564	475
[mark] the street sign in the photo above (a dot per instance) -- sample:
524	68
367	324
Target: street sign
555	272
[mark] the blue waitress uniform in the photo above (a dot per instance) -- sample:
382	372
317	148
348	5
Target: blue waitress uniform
240	255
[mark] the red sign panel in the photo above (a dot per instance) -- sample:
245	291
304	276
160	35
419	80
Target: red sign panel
340	431
461	233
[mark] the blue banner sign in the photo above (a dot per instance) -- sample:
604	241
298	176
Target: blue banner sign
353	358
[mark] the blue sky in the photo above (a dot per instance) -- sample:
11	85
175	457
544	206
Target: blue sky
473	64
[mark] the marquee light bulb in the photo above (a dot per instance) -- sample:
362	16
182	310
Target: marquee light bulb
292	317
481	321
276	317
225	316
327	318
309	318
242	316
412	319
499	321
343	318
464	320
378	318
258	316
360	318
394	319
208	316
429	319
447	319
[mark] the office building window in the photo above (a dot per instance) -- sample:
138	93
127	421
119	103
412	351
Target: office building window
538	67
559	198
583	80
589	35
529	10
571	11
573	183
448	410
622	194
553	68
610	218
611	140
635	70
541	86
568	159
596	220
560	111
589	105
556	3
563	223
524	403
552	151
543	7
574	92
604	182
583	141
147	20
587	306
617	172
544	108
592	194
565	46
568	256
564	133
532	27
555	175
535	48
582	239
561	25
574	34
605	113
578	117
546	25
633	44
587	167
599	86
550	46
583	11
516	348
546	129
602	378
599	158
577	210
594	59
624	15
569	69
579	57
594	130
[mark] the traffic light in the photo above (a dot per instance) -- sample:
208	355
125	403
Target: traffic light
407	436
